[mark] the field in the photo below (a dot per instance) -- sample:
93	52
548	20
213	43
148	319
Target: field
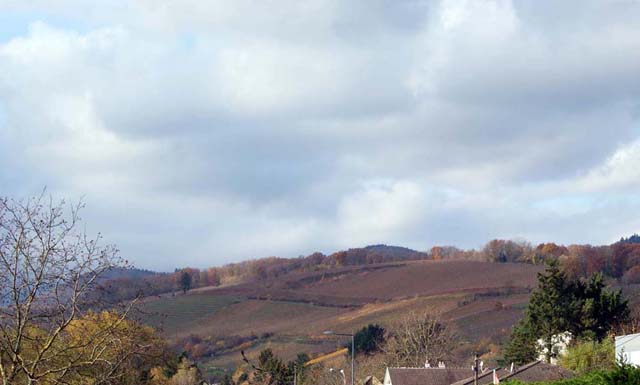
482	300
183	312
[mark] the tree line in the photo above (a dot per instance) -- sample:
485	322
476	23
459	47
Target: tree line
620	260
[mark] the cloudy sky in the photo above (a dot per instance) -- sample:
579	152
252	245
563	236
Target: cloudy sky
201	133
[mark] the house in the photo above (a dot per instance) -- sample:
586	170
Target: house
628	348
559	344
532	372
425	376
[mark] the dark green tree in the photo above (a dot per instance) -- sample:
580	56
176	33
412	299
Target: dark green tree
271	369
296	367
185	281
368	339
585	308
597	310
551	306
521	348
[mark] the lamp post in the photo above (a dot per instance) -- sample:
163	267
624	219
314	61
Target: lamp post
353	350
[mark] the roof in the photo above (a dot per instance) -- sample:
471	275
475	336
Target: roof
629	342
372	380
427	376
531	372
484	377
539	371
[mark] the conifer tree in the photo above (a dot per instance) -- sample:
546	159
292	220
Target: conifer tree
551	306
586	309
522	345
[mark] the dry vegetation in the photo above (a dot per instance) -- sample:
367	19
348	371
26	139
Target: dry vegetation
294	310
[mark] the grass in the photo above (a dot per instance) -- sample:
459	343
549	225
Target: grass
179	313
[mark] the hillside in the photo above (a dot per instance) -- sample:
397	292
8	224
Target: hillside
127	273
290	312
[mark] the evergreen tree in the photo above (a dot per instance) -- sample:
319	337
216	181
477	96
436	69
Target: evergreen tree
368	339
597	310
521	348
185	281
586	309
272	370
551	306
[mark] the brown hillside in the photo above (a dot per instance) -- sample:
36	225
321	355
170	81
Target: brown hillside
483	299
427	278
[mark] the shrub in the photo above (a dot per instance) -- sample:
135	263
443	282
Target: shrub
589	356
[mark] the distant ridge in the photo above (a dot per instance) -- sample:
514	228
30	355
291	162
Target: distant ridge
130	273
376	254
390	251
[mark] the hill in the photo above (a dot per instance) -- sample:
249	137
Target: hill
286	304
119	273
289	313
376	254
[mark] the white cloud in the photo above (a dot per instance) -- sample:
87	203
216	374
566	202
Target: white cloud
221	131
620	172
380	210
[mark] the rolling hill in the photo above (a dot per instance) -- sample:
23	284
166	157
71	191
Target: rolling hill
290	312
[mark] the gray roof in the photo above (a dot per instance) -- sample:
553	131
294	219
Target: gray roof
531	372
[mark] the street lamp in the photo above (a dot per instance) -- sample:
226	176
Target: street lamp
344	378
353	351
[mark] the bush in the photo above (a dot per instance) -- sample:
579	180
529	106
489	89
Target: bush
589	356
368	339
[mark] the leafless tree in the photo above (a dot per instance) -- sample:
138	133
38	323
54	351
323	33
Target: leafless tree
631	325
49	275
418	338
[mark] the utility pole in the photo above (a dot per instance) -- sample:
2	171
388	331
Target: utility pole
353	357
353	350
475	369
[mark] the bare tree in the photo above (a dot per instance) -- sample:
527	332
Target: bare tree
419	338
49	276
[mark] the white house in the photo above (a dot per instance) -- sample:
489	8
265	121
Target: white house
559	342
628	348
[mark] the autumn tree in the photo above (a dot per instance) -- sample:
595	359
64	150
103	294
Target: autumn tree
500	250
185	373
50	276
213	277
549	251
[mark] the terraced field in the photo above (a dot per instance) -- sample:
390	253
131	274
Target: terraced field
181	313
482	299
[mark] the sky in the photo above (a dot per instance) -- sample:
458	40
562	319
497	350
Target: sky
200	133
